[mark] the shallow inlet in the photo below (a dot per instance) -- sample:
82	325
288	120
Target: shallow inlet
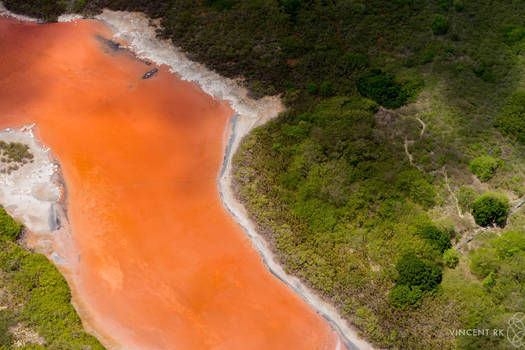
156	262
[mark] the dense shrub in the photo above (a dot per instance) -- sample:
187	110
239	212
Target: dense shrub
439	25
458	5
484	167
513	33
9	228
382	88
489	281
415	272
326	89
511	119
451	257
291	6
312	88
416	186
510	246
435	236
490	208
403	295
350	62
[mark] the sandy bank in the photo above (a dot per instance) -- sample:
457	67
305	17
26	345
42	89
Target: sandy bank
135	28
29	193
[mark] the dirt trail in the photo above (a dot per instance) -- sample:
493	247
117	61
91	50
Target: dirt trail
454	197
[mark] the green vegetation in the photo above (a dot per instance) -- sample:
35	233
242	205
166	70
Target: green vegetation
511	119
415	272
15	152
382	88
403	295
334	191
13	155
490	208
35	296
435	236
9	228
46	9
498	263
484	167
440	25
451	258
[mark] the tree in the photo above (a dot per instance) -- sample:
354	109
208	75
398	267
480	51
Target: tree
326	89
382	88
415	272
312	88
490	208
435	236
291	6
439	25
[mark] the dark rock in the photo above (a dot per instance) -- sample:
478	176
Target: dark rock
150	73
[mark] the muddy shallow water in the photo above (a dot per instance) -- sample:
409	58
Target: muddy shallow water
155	261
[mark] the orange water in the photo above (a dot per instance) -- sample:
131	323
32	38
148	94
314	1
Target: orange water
158	262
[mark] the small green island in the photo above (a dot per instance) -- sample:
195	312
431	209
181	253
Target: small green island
13	155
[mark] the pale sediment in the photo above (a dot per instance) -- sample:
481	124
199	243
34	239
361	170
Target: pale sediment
135	28
29	193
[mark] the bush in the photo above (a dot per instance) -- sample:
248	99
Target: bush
513	34
326	89
451	258
439	25
435	236
312	88
484	167
490	208
403	295
415	272
489	281
511	120
291	6
417	187
382	88
458	5
350	62
9	228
